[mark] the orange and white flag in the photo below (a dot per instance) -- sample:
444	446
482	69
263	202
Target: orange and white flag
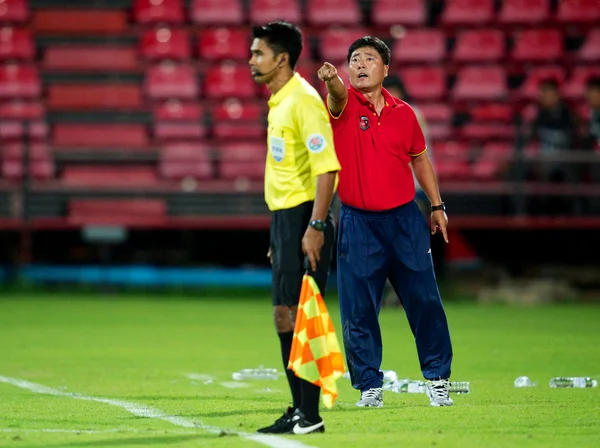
316	356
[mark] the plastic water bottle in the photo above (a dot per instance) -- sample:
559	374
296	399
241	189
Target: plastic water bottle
460	387
389	378
578	382
256	374
524	381
408	386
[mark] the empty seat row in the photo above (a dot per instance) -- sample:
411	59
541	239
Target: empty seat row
170	80
417	45
383	12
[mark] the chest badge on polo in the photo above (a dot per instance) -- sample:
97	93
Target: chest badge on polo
364	123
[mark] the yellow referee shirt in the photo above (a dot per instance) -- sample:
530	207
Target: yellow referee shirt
300	142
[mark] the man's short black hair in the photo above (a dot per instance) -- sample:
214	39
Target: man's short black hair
374	42
281	37
593	83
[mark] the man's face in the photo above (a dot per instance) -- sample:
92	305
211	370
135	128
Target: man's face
366	68
263	62
549	97
592	95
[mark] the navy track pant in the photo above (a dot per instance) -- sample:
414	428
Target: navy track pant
375	246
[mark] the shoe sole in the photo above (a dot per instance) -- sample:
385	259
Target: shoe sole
369	405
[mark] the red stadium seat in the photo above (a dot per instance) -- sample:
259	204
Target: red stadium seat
20	110
451	160
233	119
117	211
217	12
575	85
169	80
402	12
242	160
499	112
14	11
468	12
336	41
41	165
439	131
165	43
229	80
158	11
186	159
77	136
15	131
265	11
524	12
177	131
538	45
590	50
328	12
420	45
480	83
112	176
19	81
487	131
94	96
578	11
15	43
90	58
175	110
530	88
435	112
224	43
424	83
479	46
493	160
90	21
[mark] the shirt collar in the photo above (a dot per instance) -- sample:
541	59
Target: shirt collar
389	99
285	90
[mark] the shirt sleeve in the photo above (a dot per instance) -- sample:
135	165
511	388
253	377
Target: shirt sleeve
316	133
343	115
418	146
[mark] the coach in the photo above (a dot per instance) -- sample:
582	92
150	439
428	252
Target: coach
382	233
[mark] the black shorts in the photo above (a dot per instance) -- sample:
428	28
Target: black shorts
289	262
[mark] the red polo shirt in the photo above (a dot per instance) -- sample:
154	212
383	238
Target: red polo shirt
375	152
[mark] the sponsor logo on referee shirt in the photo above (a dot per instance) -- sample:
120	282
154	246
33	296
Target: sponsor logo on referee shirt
316	143
277	148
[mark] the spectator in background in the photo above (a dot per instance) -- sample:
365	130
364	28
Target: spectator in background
555	127
592	95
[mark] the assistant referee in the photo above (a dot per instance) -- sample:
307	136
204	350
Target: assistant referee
300	179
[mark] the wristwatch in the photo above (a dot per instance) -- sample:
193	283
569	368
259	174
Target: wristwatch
435	208
317	224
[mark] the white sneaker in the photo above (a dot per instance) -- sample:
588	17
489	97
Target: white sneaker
372	398
438	392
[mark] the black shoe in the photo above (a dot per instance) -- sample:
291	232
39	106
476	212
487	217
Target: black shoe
301	426
283	425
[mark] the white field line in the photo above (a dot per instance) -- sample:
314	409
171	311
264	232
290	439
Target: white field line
140	410
96	431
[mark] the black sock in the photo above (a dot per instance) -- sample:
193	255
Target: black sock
293	380
310	401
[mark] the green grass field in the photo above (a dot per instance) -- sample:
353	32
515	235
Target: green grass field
139	352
